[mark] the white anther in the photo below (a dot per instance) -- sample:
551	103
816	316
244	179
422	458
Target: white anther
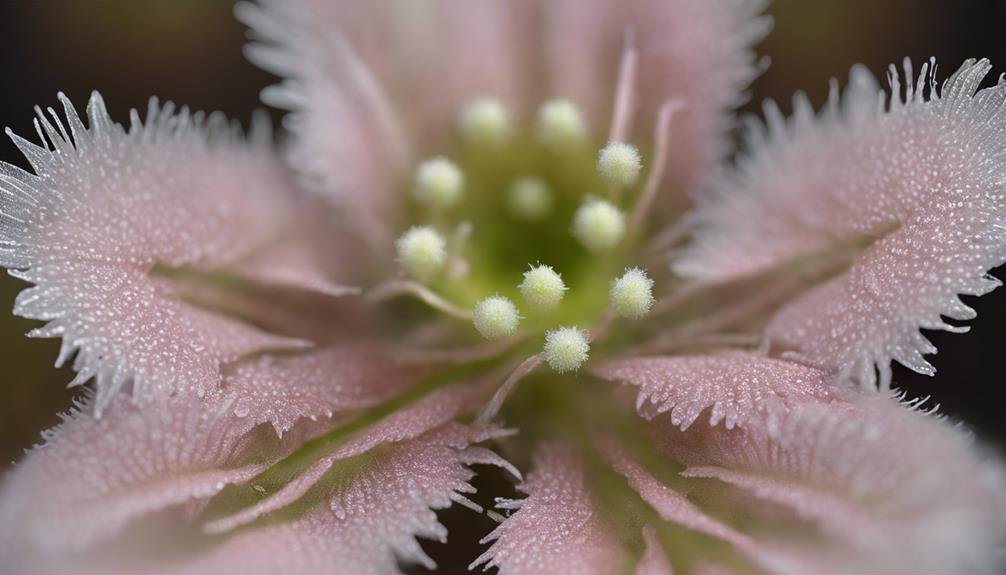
560	124
422	252
632	294
566	349
529	199
485	121
542	287
439	183
598	224
496	317
619	163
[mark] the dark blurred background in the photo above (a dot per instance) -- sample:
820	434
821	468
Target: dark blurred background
190	52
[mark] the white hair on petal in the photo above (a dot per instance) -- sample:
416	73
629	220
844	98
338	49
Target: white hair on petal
916	177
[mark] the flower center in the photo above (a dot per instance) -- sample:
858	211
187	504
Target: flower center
524	229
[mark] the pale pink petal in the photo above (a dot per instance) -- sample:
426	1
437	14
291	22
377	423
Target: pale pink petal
654	560
696	52
282	389
668	503
92	476
365	521
558	527
434	410
707	568
372	518
106	211
138	460
918	181
736	387
893	490
361	77
291	266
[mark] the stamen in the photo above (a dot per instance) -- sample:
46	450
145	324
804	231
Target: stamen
566	349
439	183
422	252
625	92
496	317
485	121
598	225
457	265
632	294
661	140
493	406
394	288
542	287
619	164
560	124
603	326
530	199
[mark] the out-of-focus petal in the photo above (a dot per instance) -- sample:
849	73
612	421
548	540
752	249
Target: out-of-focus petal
668	503
707	568
654	560
140	459
106	209
557	528
694	51
736	387
376	487
362	77
873	474
92	477
918	182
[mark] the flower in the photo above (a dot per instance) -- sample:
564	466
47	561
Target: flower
276	384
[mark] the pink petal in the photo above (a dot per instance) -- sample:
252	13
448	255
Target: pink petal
873	474
669	504
557	528
693	51
308	252
372	518
737	387
290	266
105	207
654	560
706	568
919	181
92	477
432	411
357	74
285	388
138	460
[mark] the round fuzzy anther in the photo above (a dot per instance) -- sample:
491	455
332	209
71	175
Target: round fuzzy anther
496	317
542	287
485	121
566	349
598	225
560	124
422	251
439	183
619	163
632	294
530	199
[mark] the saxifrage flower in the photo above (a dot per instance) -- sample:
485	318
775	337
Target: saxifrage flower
478	227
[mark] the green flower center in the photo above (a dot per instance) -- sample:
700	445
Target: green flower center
527	225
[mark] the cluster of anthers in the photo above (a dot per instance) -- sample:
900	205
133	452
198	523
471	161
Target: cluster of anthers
498	194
